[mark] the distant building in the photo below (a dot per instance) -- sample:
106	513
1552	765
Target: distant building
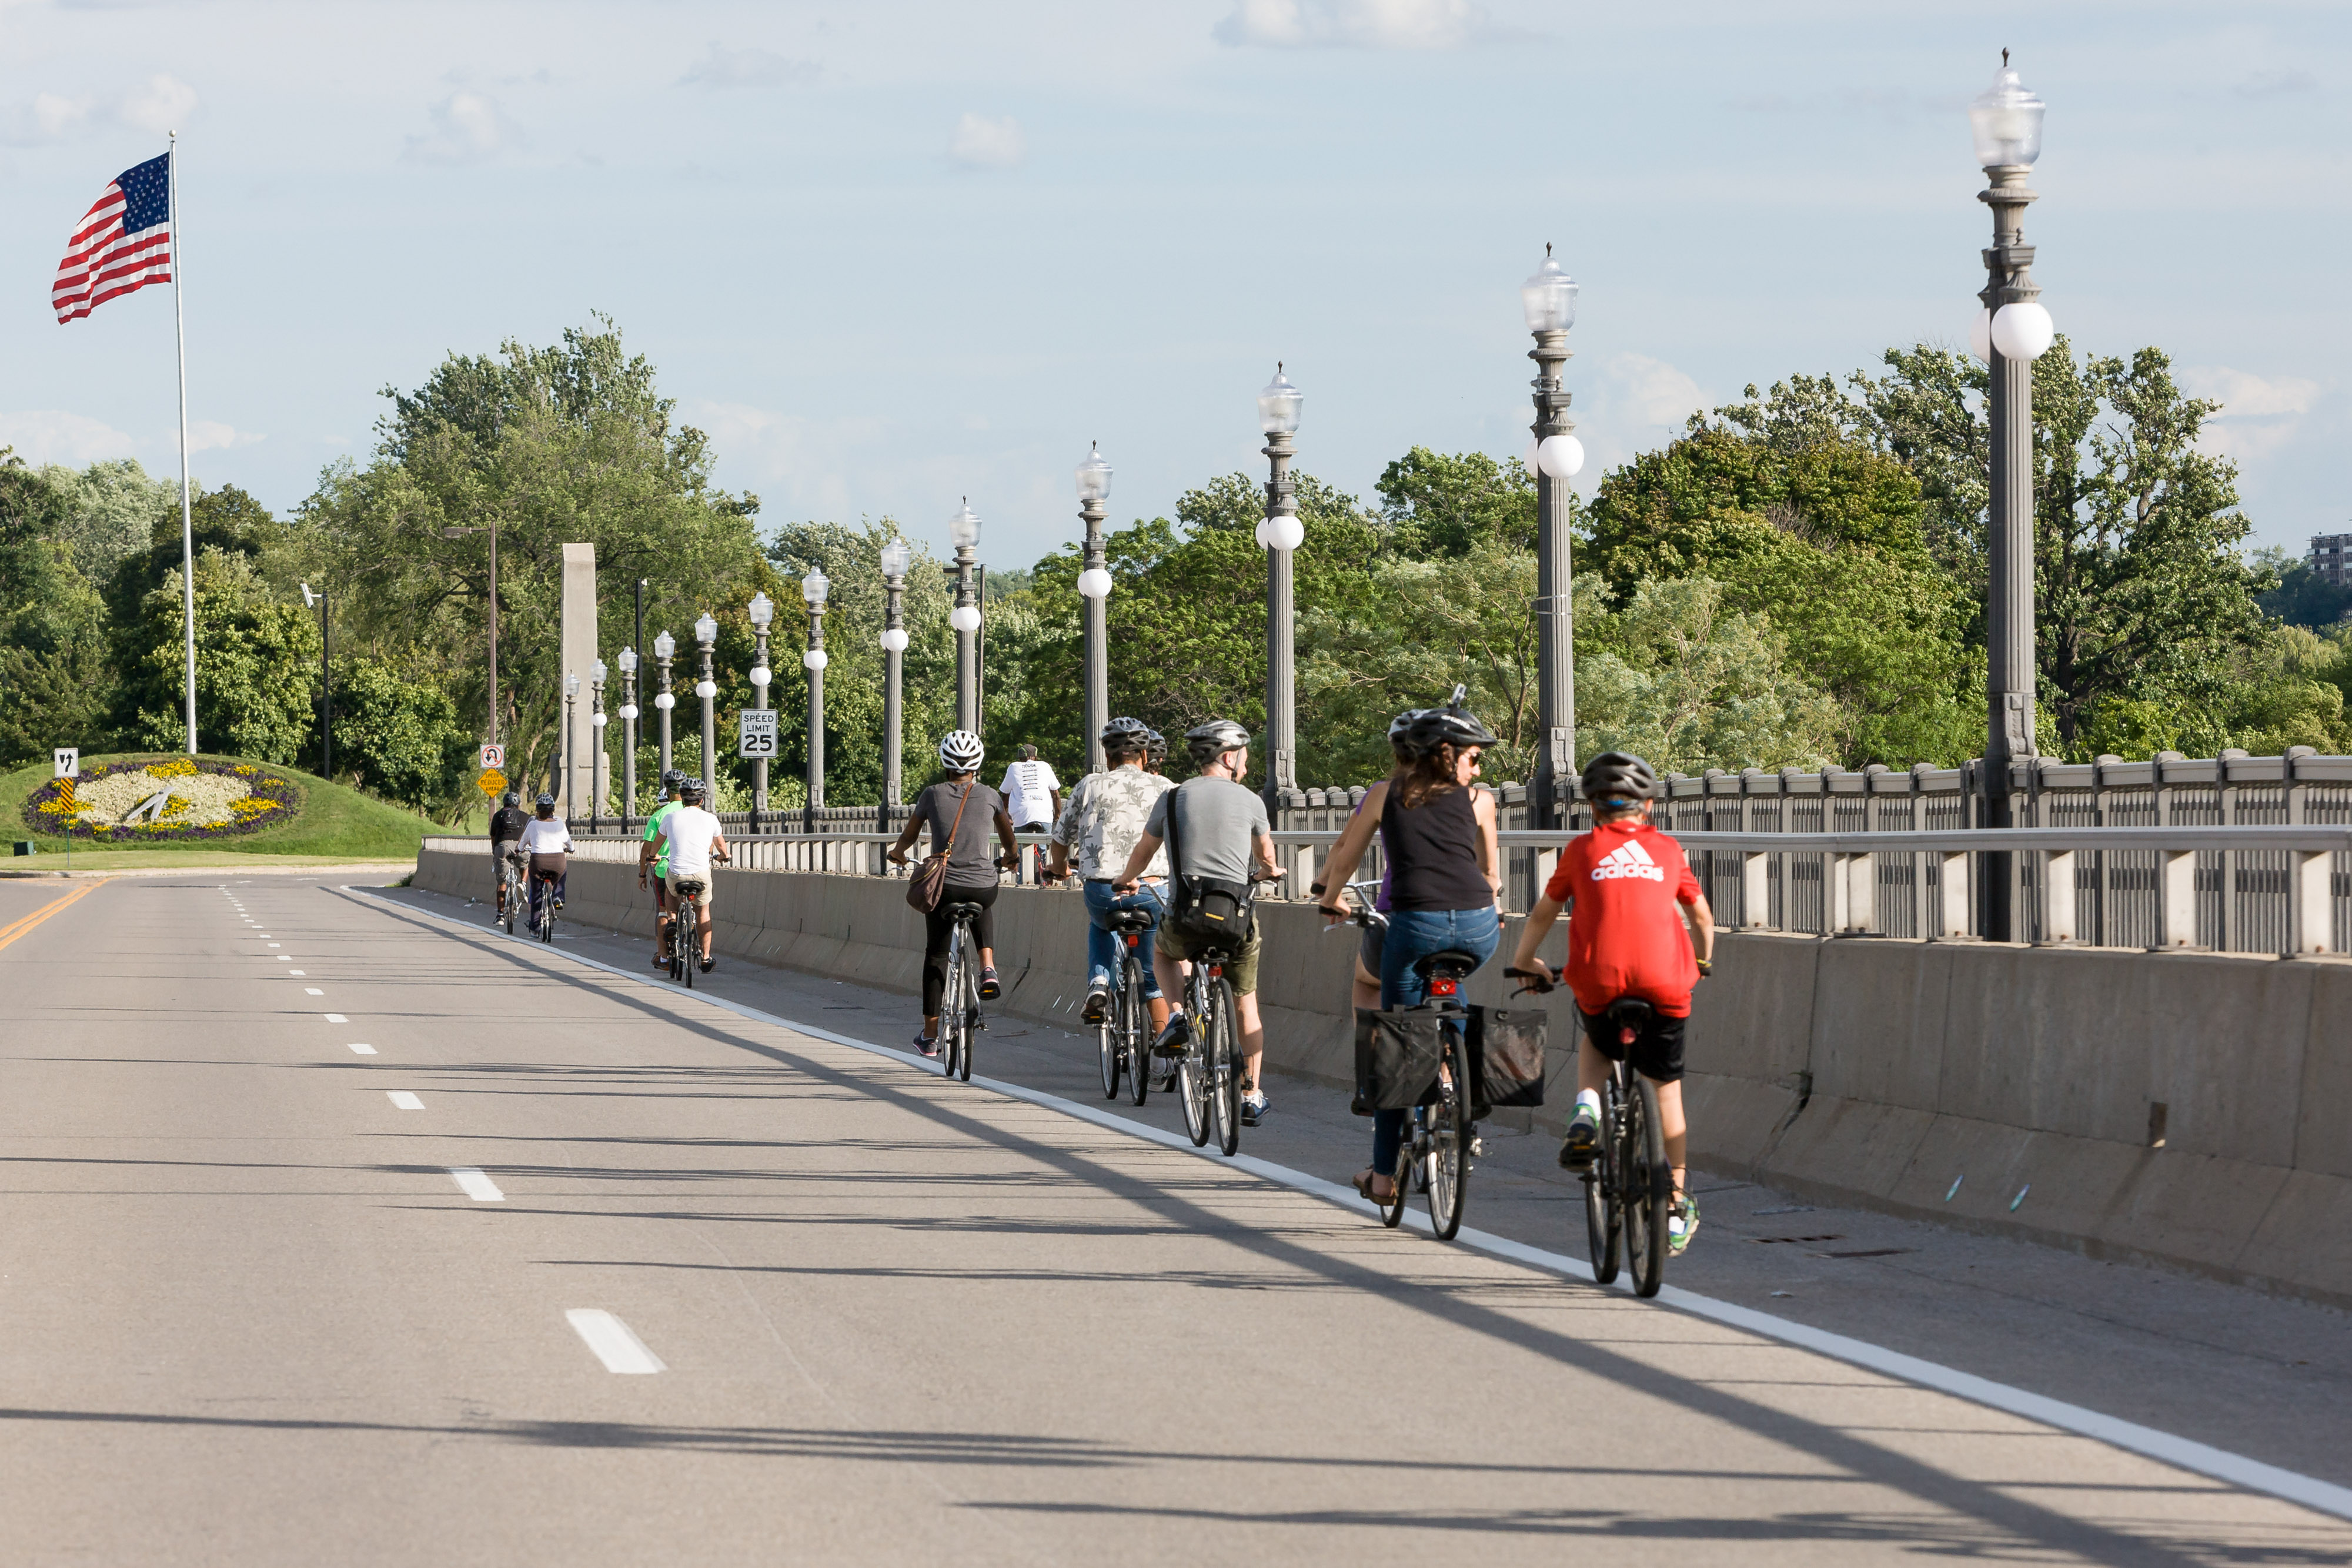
2331	559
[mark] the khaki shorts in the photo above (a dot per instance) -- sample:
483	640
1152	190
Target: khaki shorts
1241	974
707	890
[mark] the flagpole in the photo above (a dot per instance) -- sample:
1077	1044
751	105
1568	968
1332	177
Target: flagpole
188	518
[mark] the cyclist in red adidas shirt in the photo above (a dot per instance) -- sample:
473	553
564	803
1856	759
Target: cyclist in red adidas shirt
1630	894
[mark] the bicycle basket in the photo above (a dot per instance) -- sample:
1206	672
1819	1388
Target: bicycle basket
1397	1053
1507	1056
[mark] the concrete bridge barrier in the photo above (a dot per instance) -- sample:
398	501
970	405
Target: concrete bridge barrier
2192	1110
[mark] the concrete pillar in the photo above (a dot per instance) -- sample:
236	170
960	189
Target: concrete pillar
576	780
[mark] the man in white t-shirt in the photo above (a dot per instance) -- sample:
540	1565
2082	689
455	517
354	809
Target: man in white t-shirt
1033	796
695	844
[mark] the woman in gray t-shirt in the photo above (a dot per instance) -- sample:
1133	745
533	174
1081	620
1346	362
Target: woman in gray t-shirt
972	873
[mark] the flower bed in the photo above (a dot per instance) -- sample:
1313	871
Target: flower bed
202	800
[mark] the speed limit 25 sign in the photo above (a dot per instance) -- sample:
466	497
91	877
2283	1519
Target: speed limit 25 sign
755	734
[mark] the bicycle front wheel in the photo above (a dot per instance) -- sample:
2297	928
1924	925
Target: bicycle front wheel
1649	1189
1225	1067
1449	1140
1400	1188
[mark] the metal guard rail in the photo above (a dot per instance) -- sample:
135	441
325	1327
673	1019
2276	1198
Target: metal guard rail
2272	889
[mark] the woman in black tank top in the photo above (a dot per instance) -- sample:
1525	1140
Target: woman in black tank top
1445	872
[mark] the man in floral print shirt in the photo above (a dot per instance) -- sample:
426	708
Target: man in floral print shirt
1101	822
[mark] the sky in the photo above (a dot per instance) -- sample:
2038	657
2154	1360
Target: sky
893	255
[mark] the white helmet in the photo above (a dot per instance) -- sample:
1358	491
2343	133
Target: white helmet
961	751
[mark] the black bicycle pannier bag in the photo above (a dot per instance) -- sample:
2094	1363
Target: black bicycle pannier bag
1507	1057
1397	1053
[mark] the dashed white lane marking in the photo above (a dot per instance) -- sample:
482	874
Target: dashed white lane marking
475	1186
337	1017
2186	1452
363	1050
285	958
311	990
298	973
276	944
405	1099
615	1344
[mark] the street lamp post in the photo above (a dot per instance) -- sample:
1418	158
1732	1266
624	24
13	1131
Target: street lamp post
1549	301
571	749
491	529
596	722
664	646
706	633
814	587
326	680
1094	587
2012	331
762	611
896	558
963	532
1280	533
628	662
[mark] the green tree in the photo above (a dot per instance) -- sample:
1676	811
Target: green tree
257	660
397	738
569	443
1435	506
56	682
113	510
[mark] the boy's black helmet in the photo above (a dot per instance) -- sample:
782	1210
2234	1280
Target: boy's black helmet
1620	775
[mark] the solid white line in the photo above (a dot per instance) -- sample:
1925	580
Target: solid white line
405	1098
475	1186
364	1050
612	1341
337	1017
2188	1454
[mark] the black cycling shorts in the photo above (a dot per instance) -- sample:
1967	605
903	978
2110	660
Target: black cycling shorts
1657	1049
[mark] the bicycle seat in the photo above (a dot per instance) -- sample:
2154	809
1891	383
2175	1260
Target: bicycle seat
1629	1012
1132	920
959	910
1451	965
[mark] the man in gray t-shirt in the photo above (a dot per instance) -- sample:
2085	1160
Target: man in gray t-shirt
1221	832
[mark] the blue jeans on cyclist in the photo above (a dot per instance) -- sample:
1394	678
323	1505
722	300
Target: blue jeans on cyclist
1413	935
1103	945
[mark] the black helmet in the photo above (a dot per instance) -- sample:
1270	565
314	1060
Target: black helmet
514	798
546	798
1211	741
1132	732
1159	744
1619	775
690	790
1398	726
1423	733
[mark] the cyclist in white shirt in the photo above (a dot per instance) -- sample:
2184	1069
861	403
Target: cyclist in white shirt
695	844
547	842
1033	796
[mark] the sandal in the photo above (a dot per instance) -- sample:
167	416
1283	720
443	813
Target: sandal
1364	1181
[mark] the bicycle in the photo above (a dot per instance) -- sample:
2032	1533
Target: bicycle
511	888
1630	1190
1208	1075
685	929
1124	1035
544	885
1442	1137
960	1017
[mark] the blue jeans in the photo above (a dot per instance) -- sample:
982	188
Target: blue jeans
1413	934
1103	945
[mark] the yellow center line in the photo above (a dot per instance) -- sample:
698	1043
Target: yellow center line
10	933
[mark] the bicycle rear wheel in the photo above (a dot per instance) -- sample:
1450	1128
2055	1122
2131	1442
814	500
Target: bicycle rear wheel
1604	1222
1225	1067
1110	1040
1193	1084
686	943
970	1035
1449	1139
1650	1190
547	912
952	1007
1135	1023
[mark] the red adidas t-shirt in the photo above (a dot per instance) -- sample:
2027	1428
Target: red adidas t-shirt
1625	936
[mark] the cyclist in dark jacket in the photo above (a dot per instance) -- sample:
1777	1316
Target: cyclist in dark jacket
506	836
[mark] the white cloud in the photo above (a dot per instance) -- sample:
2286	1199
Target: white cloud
468	128
723	67
1354	24
2259	415
163	104
52	436
211	436
50	117
981	142
1652	392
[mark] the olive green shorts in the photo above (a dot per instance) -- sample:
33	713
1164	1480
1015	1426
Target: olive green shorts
1241	973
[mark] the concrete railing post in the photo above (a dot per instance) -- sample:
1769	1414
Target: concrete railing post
2310	912
2058	921
1952	903
1755	889
2175	900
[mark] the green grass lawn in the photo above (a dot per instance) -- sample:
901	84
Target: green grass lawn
336	822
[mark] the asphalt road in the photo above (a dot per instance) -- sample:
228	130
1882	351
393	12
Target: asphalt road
569	1268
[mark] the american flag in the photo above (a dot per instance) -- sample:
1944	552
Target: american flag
122	244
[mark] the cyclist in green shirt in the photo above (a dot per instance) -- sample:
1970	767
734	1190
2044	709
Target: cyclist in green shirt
660	865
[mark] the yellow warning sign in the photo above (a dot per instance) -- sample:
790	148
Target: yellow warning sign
491	782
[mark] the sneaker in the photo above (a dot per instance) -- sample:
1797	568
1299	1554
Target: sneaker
1174	1038
989	989
1098	1002
1682	1223
1254	1108
661	960
709	965
927	1045
559	904
1583	1140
